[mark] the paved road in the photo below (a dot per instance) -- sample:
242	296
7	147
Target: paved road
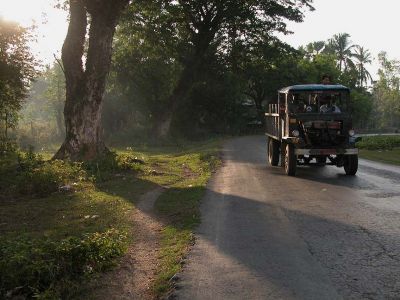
320	235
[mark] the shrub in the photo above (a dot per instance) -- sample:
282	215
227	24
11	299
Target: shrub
102	168
379	142
34	267
28	174
7	146
41	178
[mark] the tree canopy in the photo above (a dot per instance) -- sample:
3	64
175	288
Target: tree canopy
17	70
190	36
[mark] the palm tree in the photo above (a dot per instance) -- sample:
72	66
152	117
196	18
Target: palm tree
318	46
363	57
314	48
340	45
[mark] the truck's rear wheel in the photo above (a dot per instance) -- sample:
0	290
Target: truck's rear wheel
273	152
290	160
351	164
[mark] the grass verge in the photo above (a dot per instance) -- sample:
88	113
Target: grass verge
382	148
62	222
74	220
385	156
179	207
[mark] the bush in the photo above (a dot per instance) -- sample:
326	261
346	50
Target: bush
379	142
41	178
28	174
40	267
7	146
102	168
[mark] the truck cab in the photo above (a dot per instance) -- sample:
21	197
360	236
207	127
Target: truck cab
311	124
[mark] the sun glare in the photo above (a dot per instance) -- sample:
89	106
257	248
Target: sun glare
51	24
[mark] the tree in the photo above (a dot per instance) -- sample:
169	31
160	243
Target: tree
204	26
362	57
17	70
42	113
85	85
313	49
268	67
386	93
340	45
146	61
362	105
311	71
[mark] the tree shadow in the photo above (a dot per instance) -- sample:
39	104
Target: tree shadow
249	249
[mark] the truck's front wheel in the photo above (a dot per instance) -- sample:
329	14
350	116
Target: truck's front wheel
351	164
290	160
273	152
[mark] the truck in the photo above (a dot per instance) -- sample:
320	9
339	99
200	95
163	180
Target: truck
311	124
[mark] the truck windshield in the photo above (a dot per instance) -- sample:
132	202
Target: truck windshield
318	102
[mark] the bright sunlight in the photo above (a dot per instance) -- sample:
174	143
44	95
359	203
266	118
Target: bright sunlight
51	24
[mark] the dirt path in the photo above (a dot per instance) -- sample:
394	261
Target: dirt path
133	278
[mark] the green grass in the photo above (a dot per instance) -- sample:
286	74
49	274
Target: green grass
102	198
379	142
382	148
386	156
179	206
50	239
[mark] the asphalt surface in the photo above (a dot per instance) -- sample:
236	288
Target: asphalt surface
319	235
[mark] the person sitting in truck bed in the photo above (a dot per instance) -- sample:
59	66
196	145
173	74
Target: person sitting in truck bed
328	106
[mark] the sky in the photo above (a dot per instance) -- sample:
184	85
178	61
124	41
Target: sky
370	23
51	24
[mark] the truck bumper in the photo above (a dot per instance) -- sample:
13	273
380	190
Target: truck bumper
350	151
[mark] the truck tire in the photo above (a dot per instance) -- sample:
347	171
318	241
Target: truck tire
351	164
273	152
290	160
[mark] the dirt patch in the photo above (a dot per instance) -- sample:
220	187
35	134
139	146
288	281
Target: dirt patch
134	277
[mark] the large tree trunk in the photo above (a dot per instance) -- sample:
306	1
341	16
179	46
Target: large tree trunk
85	87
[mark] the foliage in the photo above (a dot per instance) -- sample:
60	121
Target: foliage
17	70
65	212
106	165
42	267
341	47
386	92
146	41
381	142
362	105
176	43
42	115
362	57
313	70
7	146
28	174
266	68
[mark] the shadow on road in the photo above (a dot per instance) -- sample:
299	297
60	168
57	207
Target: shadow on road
289	253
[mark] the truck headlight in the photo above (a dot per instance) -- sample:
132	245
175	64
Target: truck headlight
295	133
351	132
